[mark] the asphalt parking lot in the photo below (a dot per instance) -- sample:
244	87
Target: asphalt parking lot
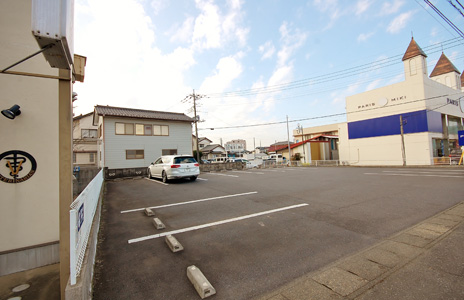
253	231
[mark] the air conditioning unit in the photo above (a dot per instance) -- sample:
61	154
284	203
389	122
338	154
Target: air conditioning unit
53	25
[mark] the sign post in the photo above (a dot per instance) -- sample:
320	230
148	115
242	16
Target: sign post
461	143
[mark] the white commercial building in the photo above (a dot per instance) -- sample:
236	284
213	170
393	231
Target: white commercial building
414	122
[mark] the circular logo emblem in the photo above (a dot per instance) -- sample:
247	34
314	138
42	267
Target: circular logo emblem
16	166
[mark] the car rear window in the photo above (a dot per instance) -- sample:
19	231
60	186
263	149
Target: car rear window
184	160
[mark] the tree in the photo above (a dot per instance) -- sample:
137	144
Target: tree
195	154
296	156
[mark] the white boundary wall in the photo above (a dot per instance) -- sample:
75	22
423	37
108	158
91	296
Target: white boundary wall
81	218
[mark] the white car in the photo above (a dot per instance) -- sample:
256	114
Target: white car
173	167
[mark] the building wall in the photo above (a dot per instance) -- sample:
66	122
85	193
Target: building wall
372	135
115	146
83	148
29	211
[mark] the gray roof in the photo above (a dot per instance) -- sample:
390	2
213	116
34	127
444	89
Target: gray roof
211	149
140	113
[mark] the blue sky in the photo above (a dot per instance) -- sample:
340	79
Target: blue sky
255	61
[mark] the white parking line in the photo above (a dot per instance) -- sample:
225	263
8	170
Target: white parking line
202	179
154	180
219	174
427	172
416	175
155	236
247	172
189	202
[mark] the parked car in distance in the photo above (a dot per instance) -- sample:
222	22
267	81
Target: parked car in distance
220	160
174	167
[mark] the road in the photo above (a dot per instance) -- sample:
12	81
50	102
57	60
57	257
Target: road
252	231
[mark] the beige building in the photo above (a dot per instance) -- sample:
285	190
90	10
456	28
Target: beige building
85	137
36	152
414	122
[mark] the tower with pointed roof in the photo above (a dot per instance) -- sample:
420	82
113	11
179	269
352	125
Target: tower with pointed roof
446	73
415	62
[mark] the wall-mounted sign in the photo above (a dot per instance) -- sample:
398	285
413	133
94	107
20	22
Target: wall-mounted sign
16	166
461	137
380	102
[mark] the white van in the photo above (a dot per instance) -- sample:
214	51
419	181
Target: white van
277	157
220	160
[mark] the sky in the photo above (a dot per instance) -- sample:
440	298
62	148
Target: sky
252	62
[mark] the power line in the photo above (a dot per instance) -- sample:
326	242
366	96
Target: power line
445	18
455	7
357	70
326	116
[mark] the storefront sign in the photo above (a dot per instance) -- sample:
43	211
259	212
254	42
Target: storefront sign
452	102
461	137
16	166
380	102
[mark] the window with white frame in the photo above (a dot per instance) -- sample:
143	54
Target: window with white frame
135	154
88	133
125	128
162	130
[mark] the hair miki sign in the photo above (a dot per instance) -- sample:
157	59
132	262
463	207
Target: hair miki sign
16	166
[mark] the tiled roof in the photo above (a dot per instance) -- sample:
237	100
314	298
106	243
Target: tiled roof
443	66
211	149
413	50
140	113
82	116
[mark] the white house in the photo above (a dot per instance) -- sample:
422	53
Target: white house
134	138
414	122
84	140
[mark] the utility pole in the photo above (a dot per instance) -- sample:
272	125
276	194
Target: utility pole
288	142
194	99
300	128
403	150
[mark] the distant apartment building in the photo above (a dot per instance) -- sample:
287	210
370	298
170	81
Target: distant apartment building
235	146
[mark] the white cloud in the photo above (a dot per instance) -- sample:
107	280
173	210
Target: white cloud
158	5
291	41
362	6
183	34
399	22
364	36
267	50
227	69
125	68
391	7
212	29
373	84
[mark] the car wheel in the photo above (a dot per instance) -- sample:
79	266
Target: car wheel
165	177
149	173
193	178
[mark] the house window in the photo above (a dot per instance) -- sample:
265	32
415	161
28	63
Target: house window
161	130
169	152
100	131
143	129
92	157
125	128
88	133
135	154
74	157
